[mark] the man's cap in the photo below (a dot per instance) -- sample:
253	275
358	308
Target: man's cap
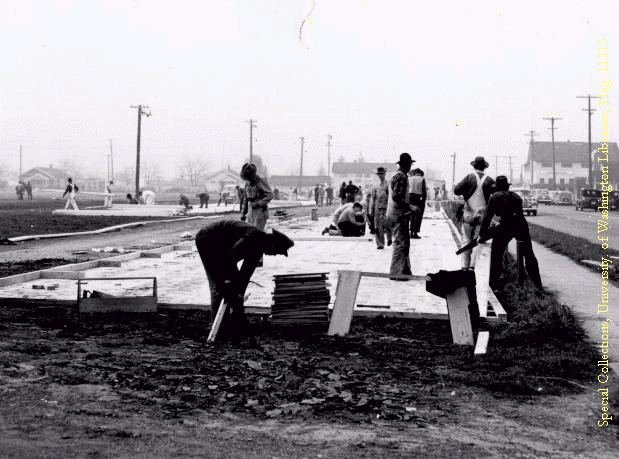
248	171
281	242
501	183
480	163
405	158
381	171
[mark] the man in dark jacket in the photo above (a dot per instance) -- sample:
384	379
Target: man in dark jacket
351	191
505	207
221	245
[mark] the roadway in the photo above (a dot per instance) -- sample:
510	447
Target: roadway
567	219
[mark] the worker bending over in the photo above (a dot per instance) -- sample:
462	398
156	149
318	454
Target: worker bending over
221	245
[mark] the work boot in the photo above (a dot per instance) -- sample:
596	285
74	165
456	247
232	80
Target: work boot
325	231
389	242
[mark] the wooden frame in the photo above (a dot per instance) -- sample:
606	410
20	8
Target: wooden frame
110	303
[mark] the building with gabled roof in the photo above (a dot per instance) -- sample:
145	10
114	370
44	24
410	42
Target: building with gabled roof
46	177
571	161
216	181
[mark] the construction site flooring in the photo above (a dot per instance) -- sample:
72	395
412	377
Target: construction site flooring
181	278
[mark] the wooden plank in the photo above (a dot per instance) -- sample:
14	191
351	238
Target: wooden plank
482	277
20	278
345	297
501	314
400	276
459	318
219	317
71	275
75	266
109	264
482	342
150	254
330	238
123	304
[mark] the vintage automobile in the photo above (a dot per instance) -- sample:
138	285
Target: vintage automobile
589	199
564	198
543	196
529	203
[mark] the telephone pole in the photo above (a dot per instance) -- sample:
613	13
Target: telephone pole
137	161
590	111
301	170
531	133
329	158
20	162
453	172
554	172
252	125
111	160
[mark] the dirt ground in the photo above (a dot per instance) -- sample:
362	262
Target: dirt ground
148	386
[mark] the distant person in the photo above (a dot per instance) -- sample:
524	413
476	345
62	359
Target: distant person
258	194
19	190
351	191
321	195
28	187
417	196
223	197
184	201
147	197
378	212
317	195
204	197
329	195
295	194
107	201
131	199
476	189
507	205
398	214
240	193
276	194
368	206
342	193
70	190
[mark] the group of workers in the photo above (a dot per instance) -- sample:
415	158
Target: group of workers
23	187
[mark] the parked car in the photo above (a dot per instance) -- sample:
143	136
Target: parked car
589	199
564	198
613	200
543	196
529	203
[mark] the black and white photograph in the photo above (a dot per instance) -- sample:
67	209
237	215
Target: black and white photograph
295	229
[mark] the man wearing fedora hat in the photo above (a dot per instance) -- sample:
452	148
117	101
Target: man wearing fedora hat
476	189
507	206
398	213
378	210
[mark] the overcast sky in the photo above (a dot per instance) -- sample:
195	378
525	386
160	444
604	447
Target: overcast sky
380	76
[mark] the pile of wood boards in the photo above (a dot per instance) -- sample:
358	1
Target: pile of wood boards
300	300
283	214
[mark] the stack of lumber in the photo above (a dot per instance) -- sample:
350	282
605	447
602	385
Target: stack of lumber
300	299
283	214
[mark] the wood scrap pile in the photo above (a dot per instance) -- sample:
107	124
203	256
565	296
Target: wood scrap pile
300	300
283	214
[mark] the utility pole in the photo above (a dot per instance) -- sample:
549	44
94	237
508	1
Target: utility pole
531	133
111	160
554	172
137	161
20	162
453	173
252	125
329	158
301	170
590	111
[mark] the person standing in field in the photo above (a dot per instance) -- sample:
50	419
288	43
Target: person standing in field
476	189
398	214
258	194
28	188
380	198
70	190
417	196
107	202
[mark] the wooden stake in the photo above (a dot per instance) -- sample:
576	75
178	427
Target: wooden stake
219	317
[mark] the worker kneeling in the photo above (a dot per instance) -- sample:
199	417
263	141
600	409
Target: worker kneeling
221	246
348	220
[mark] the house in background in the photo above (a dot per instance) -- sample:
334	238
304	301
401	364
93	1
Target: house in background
46	178
571	165
216	181
304	184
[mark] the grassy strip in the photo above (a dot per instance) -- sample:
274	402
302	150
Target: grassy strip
576	248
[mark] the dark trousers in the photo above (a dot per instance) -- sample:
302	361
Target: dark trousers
349	229
203	201
499	244
416	217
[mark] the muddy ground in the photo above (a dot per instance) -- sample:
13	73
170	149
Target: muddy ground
130	386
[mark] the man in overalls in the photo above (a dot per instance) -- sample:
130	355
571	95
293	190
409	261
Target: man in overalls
417	196
380	194
258	194
398	214
70	190
476	189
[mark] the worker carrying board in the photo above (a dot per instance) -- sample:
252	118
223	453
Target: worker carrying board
222	245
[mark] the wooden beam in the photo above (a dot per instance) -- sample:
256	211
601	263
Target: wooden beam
109	264
345	297
71	275
150	254
482	342
219	317
459	318
20	278
482	277
123	304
